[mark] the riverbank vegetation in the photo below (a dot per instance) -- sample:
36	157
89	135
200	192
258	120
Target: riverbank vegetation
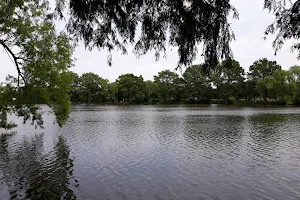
265	83
228	83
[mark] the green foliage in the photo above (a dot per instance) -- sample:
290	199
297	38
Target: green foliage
225	84
261	88
259	75
92	88
250	89
167	84
197	84
232	100
262	68
295	73
112	94
151	91
228	78
131	88
294	80
42	58
278	86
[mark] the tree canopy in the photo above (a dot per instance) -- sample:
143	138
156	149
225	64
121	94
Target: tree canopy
227	83
89	88
42	58
197	86
151	25
131	88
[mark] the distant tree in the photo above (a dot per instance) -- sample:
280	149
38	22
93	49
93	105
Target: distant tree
279	86
112	94
151	91
233	84
166	90
250	89
179	85
196	83
283	86
263	68
228	77
295	73
75	87
131	88
93	88
261	87
295	79
259	71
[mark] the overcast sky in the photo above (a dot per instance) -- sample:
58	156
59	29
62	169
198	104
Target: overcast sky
248	47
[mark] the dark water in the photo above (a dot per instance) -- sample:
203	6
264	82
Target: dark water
147	152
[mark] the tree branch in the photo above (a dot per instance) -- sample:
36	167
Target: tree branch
15	60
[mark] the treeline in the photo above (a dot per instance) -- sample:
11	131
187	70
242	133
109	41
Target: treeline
266	82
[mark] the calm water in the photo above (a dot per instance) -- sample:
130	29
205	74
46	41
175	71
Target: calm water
152	152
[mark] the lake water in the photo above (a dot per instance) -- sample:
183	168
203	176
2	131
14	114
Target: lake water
154	152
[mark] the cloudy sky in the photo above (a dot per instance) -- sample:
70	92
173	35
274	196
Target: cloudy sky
248	47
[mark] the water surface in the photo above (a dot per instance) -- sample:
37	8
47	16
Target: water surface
155	152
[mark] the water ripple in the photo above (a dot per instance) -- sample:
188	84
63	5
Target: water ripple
154	152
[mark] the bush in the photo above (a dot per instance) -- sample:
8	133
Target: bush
232	100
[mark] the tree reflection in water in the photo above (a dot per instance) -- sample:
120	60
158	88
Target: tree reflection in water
26	172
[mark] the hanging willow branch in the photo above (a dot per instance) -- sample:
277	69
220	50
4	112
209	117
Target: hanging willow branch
286	25
152	25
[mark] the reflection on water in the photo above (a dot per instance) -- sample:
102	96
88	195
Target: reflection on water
152	152
27	173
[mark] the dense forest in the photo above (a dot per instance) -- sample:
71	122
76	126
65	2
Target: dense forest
228	83
266	82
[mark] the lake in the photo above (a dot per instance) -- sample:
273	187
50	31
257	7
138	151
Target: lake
155	152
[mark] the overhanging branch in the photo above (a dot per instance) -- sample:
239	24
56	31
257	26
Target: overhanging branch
15	60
